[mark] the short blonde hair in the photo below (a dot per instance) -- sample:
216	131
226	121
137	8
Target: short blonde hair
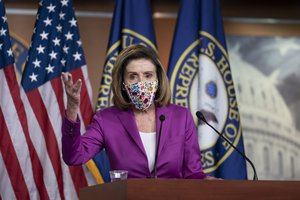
133	52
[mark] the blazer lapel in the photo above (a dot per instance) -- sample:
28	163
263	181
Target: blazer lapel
128	121
165	126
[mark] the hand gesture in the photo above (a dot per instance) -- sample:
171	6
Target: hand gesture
73	95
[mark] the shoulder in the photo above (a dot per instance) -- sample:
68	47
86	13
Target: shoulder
111	109
176	112
175	109
108	113
180	117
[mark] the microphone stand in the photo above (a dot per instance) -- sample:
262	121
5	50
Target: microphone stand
201	117
161	119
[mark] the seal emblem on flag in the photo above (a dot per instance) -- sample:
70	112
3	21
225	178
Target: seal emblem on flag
20	49
202	80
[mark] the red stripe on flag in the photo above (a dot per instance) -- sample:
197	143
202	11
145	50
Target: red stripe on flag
78	177
11	162
77	172
85	105
37	169
42	117
58	90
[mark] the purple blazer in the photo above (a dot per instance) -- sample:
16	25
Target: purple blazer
116	131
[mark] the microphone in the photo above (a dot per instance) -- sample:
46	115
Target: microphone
201	117
161	119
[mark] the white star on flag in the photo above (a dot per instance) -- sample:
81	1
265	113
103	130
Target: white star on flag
63	62
40	49
77	56
52	55
49	69
9	52
66	49
36	63
59	28
79	43
4	19
64	2
48	22
3	32
62	15
56	41
73	22
69	36
44	35
33	77
51	8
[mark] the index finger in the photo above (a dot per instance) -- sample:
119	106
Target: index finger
67	78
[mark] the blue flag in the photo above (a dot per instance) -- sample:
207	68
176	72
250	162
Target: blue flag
132	24
200	79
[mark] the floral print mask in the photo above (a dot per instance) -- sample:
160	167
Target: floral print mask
142	94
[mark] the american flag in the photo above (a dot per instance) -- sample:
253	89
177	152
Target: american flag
12	122
55	48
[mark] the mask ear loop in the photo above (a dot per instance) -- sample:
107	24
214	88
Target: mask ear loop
155	98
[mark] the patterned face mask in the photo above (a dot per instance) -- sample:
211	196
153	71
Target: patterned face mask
142	94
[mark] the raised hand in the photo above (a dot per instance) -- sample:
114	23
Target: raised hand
73	95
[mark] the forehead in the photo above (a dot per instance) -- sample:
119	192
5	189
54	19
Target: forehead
141	64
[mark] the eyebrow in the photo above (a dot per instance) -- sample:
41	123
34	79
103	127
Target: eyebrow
134	72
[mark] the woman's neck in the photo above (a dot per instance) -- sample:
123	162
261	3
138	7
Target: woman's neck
145	120
148	111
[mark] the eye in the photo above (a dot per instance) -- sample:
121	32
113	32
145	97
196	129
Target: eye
149	75
132	76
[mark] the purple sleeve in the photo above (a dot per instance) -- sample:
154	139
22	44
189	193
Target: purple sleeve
192	156
77	149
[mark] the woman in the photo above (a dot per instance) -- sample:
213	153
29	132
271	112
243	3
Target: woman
129	129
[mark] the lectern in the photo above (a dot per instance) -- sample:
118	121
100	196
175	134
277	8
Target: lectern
190	189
